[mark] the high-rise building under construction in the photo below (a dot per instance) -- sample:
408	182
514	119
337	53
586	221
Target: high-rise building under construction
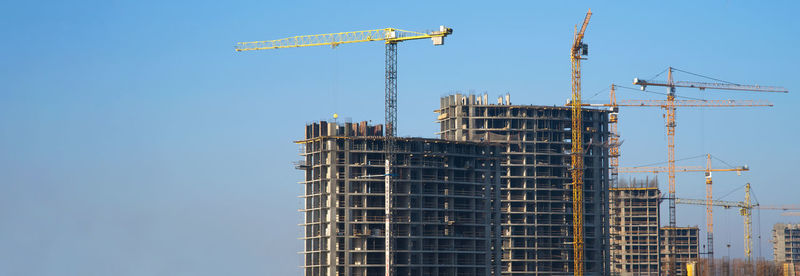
634	227
536	195
445	211
638	245
786	243
678	246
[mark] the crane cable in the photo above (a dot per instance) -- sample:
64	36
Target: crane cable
660	163
698	75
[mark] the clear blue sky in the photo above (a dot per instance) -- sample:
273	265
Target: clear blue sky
135	141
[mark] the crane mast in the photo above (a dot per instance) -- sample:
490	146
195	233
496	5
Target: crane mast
709	213
391	37
748	223
670	109
613	139
578	50
389	147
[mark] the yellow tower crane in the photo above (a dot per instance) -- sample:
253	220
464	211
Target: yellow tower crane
709	210
577	51
391	37
745	210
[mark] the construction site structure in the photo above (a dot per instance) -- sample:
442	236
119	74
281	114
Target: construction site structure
670	106
745	210
670	110
536	192
786	243
444	219
391	37
679	246
577	53
636	192
634	227
709	198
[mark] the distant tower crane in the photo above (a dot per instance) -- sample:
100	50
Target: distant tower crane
745	210
577	51
391	37
709	201
670	110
